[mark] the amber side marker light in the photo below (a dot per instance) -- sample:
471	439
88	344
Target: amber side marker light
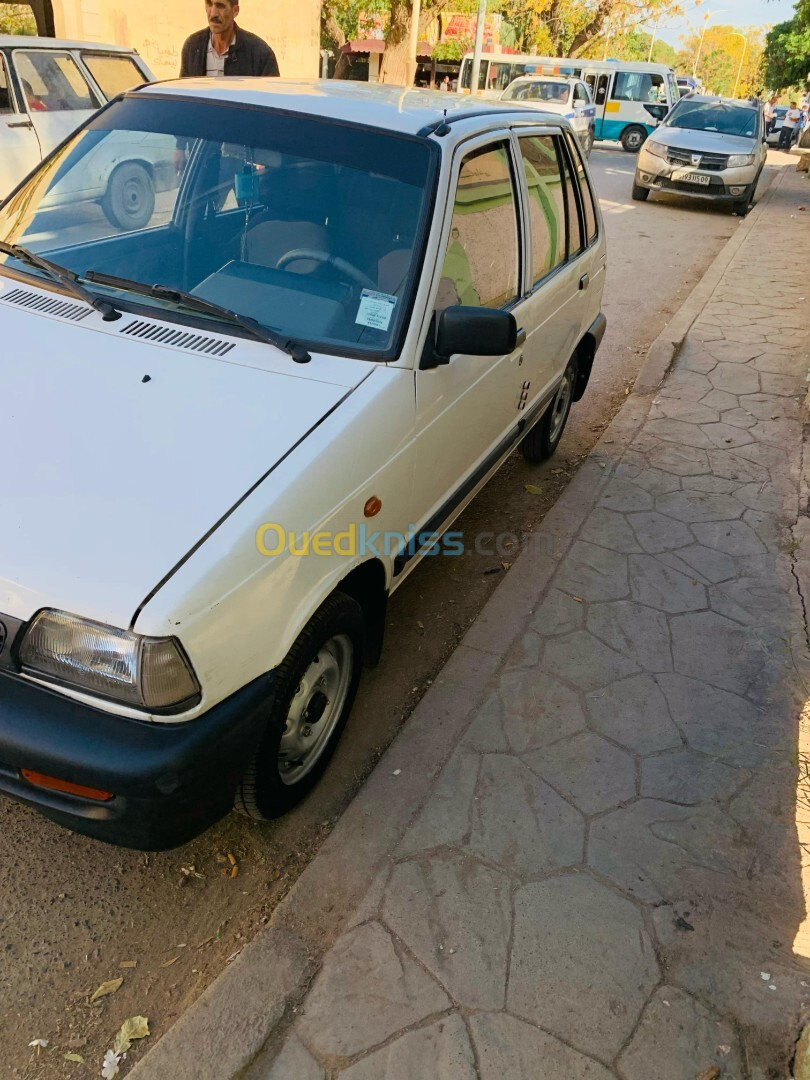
53	783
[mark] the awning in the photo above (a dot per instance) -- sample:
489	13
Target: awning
424	49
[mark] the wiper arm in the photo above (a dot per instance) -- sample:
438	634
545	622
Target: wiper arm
65	277
208	307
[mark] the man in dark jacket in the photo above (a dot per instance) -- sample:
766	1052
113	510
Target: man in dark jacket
224	48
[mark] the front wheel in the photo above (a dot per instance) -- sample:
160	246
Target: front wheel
639	193
129	201
633	138
313	693
544	438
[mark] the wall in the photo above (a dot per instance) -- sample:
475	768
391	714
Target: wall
158	28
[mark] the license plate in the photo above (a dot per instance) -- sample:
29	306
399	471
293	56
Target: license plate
694	178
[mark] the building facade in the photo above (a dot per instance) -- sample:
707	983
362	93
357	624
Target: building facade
157	29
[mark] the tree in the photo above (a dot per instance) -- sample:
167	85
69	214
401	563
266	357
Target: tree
720	57
17	19
786	60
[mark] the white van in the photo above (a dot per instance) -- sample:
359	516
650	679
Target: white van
48	88
631	99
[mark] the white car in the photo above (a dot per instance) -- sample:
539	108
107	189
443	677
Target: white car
49	88
240	427
568	97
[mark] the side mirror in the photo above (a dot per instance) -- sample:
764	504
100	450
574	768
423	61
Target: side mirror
475	331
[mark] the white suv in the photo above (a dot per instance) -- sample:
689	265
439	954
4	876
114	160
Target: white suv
239	427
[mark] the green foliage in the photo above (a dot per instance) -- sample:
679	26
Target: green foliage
635	45
453	49
17	19
786	60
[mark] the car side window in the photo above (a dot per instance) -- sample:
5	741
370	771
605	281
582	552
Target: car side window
580	96
547	212
573	224
52	82
6	101
588	206
481	265
114	73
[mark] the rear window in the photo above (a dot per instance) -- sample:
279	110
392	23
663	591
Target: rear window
114	74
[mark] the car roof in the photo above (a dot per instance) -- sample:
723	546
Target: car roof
546	78
710	99
393	108
24	41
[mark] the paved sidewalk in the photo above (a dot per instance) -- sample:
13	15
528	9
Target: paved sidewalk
606	878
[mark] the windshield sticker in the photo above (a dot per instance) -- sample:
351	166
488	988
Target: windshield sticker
376	309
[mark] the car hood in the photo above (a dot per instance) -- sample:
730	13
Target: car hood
545	106
710	142
120	455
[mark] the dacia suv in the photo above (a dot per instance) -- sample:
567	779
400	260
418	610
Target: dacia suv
706	148
241	425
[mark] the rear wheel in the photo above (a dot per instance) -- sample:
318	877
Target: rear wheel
544	438
639	193
313	692
589	141
632	138
129	201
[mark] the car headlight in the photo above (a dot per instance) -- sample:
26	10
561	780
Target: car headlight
656	148
738	161
149	673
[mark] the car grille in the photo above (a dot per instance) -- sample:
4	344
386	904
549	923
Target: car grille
711	162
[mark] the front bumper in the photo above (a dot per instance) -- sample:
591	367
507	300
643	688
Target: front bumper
169	781
657	174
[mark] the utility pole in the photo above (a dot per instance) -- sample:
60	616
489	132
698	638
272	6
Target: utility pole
416	11
706	18
652	43
479	47
739	69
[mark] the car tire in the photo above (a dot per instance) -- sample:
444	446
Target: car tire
633	138
313	692
589	141
129	201
639	193
544	438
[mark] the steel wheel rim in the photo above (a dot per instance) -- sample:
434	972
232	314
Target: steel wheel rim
133	197
560	407
634	140
315	709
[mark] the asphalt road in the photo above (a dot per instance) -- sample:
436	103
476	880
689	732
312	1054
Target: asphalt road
73	911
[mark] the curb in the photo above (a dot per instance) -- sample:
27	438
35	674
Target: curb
664	350
252	1000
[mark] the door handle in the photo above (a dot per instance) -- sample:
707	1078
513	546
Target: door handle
521	338
584	281
22	124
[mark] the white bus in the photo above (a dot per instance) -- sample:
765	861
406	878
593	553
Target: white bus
631	98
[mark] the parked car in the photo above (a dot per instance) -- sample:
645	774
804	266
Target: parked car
48	88
707	147
780	112
689	84
246	422
570	98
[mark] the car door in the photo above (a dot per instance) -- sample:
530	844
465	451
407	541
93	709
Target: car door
600	92
563	261
57	95
583	110
19	146
467	408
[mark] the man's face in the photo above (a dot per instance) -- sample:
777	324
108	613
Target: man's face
221	15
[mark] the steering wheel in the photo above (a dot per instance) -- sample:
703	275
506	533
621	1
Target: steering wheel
315	254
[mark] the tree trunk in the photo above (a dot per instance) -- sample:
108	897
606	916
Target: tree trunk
394	67
591	29
553	21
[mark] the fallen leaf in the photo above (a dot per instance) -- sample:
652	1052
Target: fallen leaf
577	599
533	489
506	565
234	871
40	1044
128	964
231	859
75	1057
106	988
765	976
710	1074
168	963
136	1027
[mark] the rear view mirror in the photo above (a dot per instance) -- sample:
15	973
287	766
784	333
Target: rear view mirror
475	331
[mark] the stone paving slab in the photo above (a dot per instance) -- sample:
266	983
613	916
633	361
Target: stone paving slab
606	879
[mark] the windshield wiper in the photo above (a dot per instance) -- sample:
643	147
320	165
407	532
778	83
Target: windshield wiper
208	307
65	277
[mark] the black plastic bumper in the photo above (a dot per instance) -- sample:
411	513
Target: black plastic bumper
169	781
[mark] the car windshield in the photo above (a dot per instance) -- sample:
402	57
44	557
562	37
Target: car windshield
555	93
312	228
719	116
